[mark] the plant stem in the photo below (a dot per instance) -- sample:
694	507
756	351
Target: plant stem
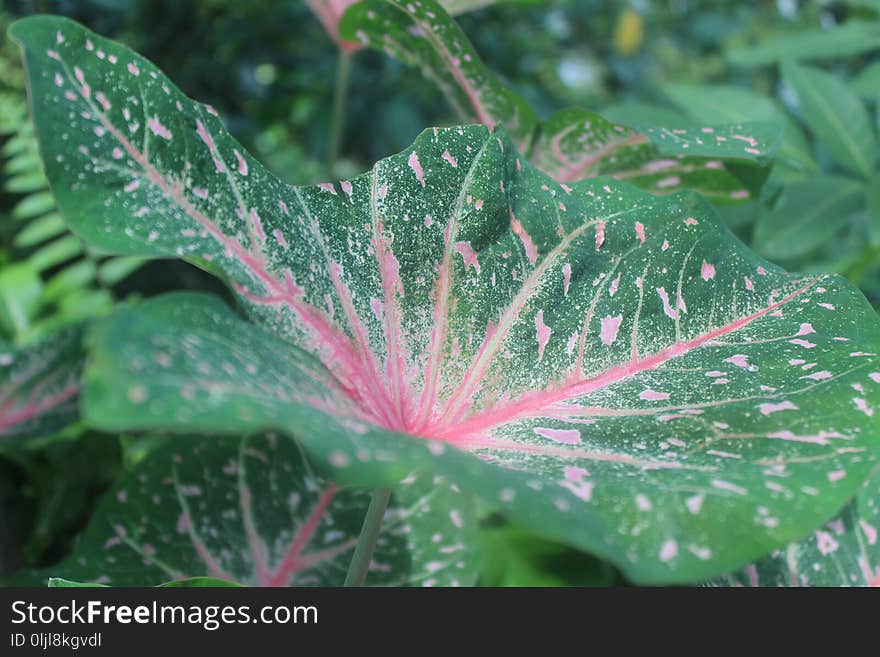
363	553
340	96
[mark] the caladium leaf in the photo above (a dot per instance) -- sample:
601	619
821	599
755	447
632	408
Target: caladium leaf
251	511
843	552
631	378
424	35
575	143
39	385
330	12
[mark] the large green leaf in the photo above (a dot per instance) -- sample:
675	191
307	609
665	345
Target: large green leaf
575	143
852	38
250	511
844	552
807	214
836	116
39	385
629	377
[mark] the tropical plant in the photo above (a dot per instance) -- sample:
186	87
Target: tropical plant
608	367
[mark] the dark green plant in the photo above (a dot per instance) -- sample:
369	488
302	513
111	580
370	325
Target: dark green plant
608	367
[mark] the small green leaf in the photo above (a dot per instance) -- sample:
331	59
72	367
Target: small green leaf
807	214
56	252
836	116
114	270
70	280
40	230
33	205
20	292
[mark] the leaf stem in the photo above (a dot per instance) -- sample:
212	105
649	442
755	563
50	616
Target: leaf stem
363	553
340	100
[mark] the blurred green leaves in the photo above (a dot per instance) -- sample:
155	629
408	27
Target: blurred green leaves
836	116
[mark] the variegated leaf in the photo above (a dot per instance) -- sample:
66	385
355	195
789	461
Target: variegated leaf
330	12
39	385
250	511
843	552
629	377
423	35
723	162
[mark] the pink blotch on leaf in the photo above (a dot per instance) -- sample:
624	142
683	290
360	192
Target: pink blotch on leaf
529	246
615	284
469	255
707	271
668	550
862	405
770	407
740	360
826	543
610	327
564	436
640	231
653	395
158	129
836	475
542	333
600	234
416	166
870	532
242	163
667	307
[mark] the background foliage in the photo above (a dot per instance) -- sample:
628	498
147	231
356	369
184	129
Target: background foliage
269	68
